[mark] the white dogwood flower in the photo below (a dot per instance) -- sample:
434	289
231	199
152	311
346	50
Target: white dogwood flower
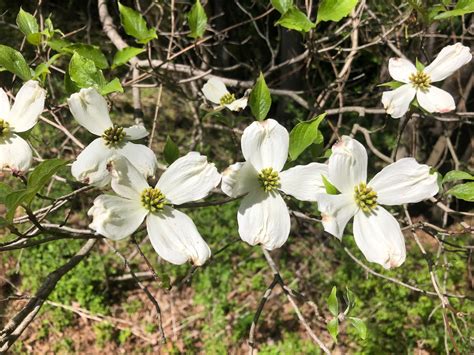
216	92
90	110
15	153
263	217
376	232
418	82
172	233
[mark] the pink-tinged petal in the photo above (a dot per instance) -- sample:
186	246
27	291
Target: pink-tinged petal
397	102
264	219
175	238
347	166
436	100
450	59
336	212
304	182
404	181
265	145
400	69
379	238
116	217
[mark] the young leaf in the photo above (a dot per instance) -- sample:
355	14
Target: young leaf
333	304
330	188
28	26
464	191
13	61
454	175
87	51
112	86
197	20
419	65
294	19
135	25
334	10
282	6
260	99
171	151
462	7
15	199
4	191
359	326
303	135
57	44
84	73
333	328
124	55
392	84
350	300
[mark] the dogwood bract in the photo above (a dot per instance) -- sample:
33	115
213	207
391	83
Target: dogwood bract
263	217
172	233
15	153
90	110
216	92
418	82
376	232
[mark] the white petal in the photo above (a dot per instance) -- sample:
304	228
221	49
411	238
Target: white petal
237	105
404	181
379	238
175	238
436	100
127	181
304	182
91	166
239	179
264	219
135	132
189	178
15	153
450	59
265	145
90	110
141	157
336	212
400	69
115	217
214	89
347	166
29	103
397	102
4	105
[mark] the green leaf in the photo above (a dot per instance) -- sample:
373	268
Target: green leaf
112	86
454	175
135	25
350	300
197	20
13	61
330	188
4	191
260	99
333	304
15	199
58	44
294	19
87	51
392	84
359	326
333	328
43	173
171	151
282	6
84	73
124	55
334	10
464	191
43	68
462	7
419	65
28	26
303	135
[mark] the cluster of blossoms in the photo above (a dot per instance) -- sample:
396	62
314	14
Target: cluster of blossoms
263	216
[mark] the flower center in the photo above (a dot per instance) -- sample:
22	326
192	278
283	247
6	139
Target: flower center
4	128
420	80
269	179
227	99
113	136
153	199
365	197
